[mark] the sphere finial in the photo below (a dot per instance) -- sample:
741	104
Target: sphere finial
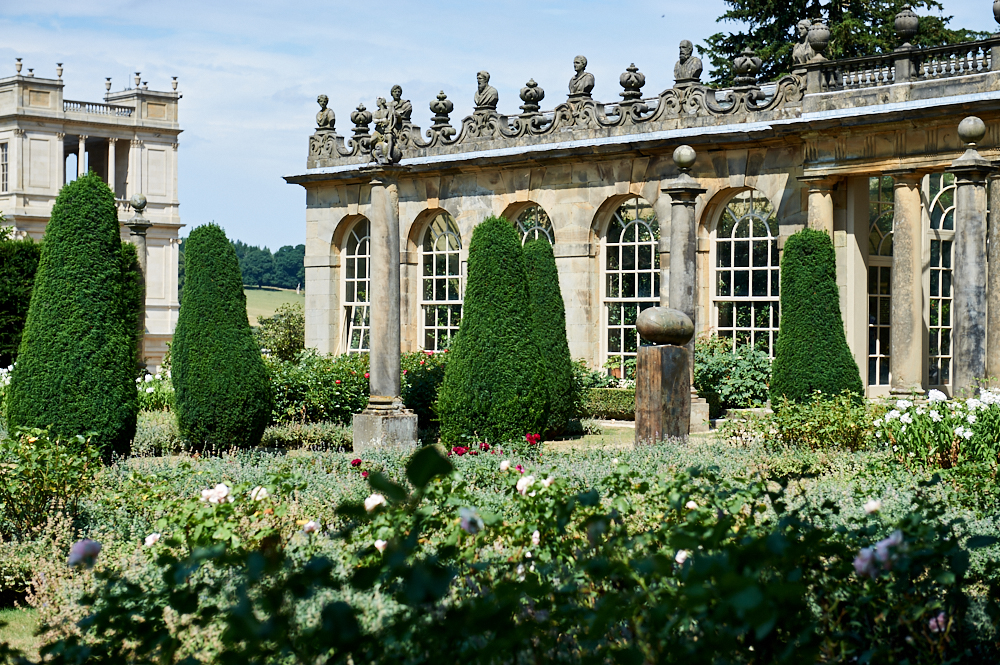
971	130
684	157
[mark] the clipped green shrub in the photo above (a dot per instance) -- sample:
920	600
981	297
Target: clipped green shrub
132	295
493	386
548	313
811	352
18	263
283	334
609	403
222	394
75	372
730	380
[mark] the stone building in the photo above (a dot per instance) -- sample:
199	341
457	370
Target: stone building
862	149
130	140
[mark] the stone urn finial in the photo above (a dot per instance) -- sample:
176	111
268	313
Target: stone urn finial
59	70
632	80
17	65
531	95
138	202
745	67
138	78
361	119
818	38
107	83
971	131
907	23
442	107
173	83
996	10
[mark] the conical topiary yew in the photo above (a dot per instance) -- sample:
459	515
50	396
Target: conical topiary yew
222	391
811	352
493	387
76	364
548	312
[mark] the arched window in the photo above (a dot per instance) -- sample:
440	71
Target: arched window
441	282
746	276
880	212
631	281
357	275
533	222
941	211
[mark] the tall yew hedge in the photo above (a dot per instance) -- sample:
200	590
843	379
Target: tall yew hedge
811	352
18	264
548	313
222	391
75	369
493	386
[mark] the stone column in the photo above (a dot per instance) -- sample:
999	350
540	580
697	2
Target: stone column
385	422
111	166
137	226
820	210
61	143
906	336
683	192
993	283
969	260
81	158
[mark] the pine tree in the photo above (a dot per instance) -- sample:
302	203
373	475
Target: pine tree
76	363
222	391
548	313
857	28
811	352
493	386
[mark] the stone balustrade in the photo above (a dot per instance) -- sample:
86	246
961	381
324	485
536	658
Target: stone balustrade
98	108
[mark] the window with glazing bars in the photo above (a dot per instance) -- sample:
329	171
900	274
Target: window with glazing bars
880	212
942	236
357	276
441	282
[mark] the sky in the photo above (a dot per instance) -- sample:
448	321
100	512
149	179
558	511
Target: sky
250	72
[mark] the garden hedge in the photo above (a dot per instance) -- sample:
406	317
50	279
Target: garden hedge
548	314
811	352
223	397
18	263
76	363
493	386
609	403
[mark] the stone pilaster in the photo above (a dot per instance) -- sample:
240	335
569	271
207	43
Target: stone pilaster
993	283
969	261
684	191
385	422
906	341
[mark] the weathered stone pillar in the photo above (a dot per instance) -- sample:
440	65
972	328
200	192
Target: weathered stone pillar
81	158
993	284
969	261
683	192
111	165
820	211
385	422
137	226
906	336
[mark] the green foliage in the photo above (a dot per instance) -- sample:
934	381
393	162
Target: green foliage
826	421
586	378
311	436
76	364
609	403
41	474
548	314
156	391
423	374
284	269
222	392
283	334
857	28
132	296
18	263
494	388
739	379
811	352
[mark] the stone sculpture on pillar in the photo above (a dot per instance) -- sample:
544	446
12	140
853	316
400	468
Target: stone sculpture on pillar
663	376
684	191
582	83
326	118
687	71
137	227
387	137
487	97
802	52
969	281
403	107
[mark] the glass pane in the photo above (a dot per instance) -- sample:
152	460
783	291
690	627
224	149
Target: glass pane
723	249
724	284
614	340
760	283
760	253
741	286
741	254
725	315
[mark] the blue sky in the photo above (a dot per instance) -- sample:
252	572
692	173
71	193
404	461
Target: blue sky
250	71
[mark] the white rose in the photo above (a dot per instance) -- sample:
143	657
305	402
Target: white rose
536	538
548	481
152	539
258	493
936	396
524	483
691	505
374	501
505	465
149	377
380	545
873	506
682	556
310	527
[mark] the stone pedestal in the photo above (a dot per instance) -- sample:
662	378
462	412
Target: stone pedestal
700	414
662	393
383	426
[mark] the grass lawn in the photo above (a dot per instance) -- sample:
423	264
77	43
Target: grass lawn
20	629
265	301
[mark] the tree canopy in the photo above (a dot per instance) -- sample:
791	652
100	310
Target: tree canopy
857	28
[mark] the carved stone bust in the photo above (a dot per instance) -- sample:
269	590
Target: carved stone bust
403	106
583	81
802	52
688	69
325	119
486	95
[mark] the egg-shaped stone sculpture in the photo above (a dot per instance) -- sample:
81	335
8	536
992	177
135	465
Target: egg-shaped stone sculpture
662	325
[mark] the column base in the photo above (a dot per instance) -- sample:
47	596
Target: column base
903	391
384	427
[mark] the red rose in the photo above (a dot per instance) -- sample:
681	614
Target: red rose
337	381
484	446
366	375
460	450
364	474
356	462
422	362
